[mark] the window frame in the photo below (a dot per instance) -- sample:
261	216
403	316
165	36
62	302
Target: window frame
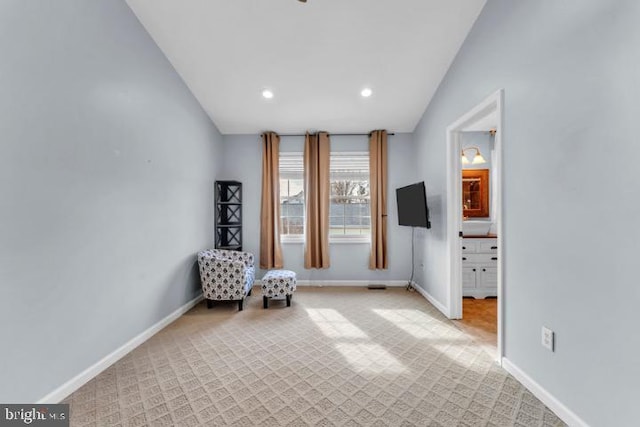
292	238
352	238
333	238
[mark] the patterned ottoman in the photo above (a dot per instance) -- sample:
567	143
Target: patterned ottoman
277	283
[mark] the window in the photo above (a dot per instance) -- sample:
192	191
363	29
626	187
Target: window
349	211
349	214
291	197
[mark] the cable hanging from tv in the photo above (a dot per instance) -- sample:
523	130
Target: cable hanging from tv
413	212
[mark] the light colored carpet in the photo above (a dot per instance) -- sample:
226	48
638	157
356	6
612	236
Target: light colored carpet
336	357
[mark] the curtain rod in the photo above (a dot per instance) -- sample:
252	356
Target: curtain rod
332	134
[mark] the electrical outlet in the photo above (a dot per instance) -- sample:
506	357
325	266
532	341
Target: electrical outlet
547	338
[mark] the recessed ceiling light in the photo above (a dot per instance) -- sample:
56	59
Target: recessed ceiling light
366	92
267	94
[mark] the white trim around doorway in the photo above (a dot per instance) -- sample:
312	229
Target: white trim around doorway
493	103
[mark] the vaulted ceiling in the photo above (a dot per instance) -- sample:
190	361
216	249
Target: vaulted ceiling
316	57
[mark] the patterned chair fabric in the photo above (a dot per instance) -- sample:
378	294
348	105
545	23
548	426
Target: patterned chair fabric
226	275
278	283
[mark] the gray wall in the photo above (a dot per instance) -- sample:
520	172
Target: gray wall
107	165
570	73
349	261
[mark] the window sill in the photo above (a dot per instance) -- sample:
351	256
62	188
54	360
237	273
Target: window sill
349	240
291	239
332	240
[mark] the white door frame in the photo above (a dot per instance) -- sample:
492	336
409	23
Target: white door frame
493	103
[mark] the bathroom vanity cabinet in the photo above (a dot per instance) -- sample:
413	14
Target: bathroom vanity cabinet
480	267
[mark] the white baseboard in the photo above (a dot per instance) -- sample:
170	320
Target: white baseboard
545	397
479	293
437	304
346	283
92	371
359	283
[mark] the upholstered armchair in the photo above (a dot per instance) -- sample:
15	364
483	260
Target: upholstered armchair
226	275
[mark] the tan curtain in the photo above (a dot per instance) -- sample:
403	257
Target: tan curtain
378	186
270	248
316	191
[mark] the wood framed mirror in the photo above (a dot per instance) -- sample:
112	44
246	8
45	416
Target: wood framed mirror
475	193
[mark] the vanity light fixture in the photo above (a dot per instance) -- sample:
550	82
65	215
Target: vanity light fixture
477	159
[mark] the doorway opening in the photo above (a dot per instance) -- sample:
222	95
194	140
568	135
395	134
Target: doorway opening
475	232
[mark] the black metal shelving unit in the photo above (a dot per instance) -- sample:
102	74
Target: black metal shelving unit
229	215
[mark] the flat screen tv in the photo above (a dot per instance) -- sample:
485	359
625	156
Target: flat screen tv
412	206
